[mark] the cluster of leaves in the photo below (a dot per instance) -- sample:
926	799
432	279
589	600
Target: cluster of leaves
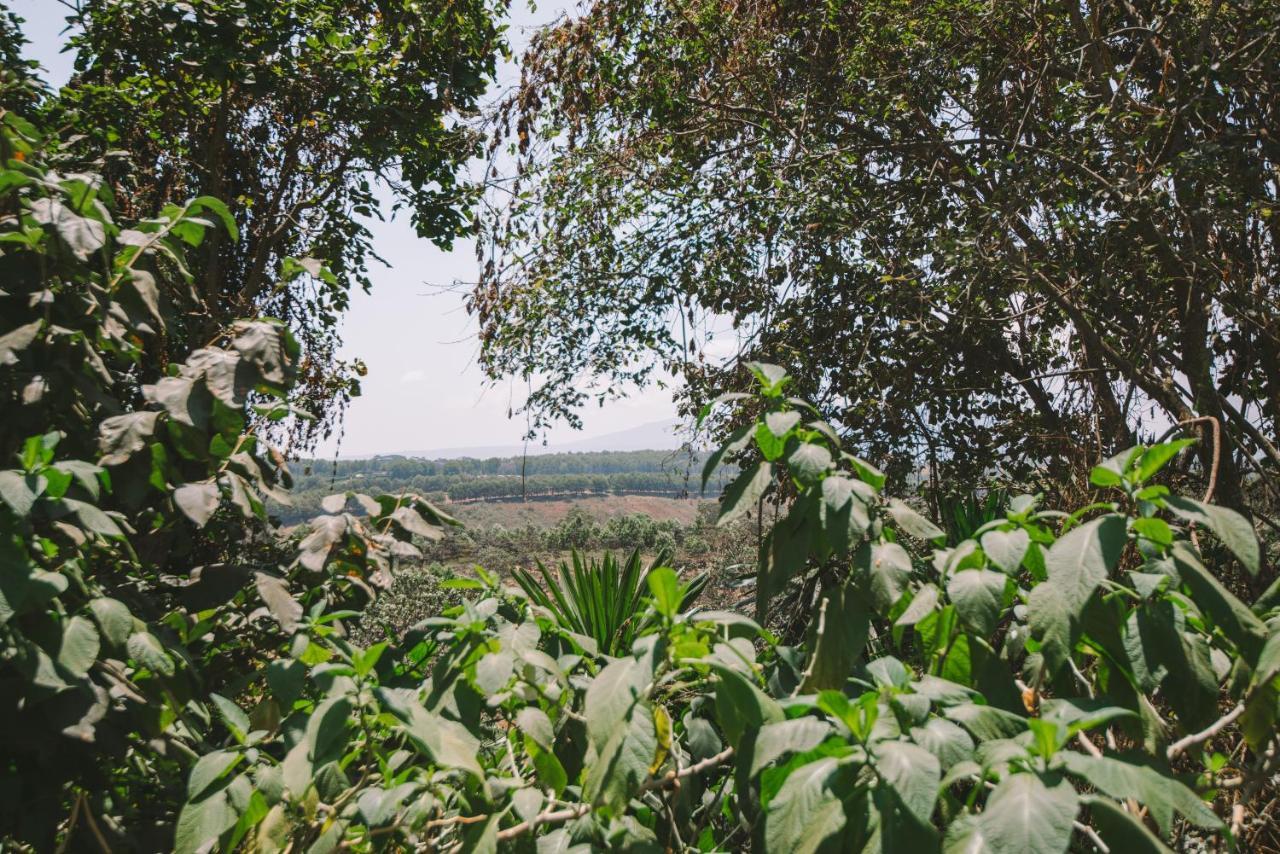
600	598
293	113
138	576
1055	681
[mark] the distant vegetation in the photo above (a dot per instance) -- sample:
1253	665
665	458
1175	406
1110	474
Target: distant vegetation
670	473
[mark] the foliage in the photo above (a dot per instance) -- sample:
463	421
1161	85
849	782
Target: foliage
293	113
1023	690
139	583
416	593
986	236
601	599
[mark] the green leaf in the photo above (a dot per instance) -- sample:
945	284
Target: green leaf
945	740
741	496
986	723
92	518
1234	530
534	723
19	491
978	595
79	649
664	584
279	601
1232	616
1084	557
741	707
1162	795
122	436
913	773
806	813
776	740
198	501
1154	458
208	770
1120	830
113	618
232	715
889	570
619	687
809	462
1006	548
781	423
201	823
772	378
1024	814
913	523
285	678
624	760
144	648
837	636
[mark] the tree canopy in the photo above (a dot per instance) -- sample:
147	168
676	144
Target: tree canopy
294	113
987	237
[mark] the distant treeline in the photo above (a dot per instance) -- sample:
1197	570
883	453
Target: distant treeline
672	473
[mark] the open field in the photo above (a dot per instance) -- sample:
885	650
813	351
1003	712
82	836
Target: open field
516	514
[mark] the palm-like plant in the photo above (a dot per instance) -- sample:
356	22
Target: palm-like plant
601	598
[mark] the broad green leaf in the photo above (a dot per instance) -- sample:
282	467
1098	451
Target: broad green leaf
741	706
326	733
1006	548
776	740
913	523
741	496
534	723
781	423
809	462
113	618
665	587
889	569
978	595
912	772
445	741
1031	815
945	740
197	501
623	760
1120	830
1084	557
1234	530
616	690
1162	795
286	678
1232	616
202	822
1154	458
19	491
144	648
985	723
79	649
806	813
208	769
836	637
232	715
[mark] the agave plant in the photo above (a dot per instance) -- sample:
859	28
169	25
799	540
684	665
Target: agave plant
601	598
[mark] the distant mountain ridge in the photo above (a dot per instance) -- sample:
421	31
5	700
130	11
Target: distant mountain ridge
662	435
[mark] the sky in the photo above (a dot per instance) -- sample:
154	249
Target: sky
424	390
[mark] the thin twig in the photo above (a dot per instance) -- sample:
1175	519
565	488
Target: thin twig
1093	837
669	780
1181	745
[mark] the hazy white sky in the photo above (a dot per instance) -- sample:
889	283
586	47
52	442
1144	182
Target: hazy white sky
423	390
